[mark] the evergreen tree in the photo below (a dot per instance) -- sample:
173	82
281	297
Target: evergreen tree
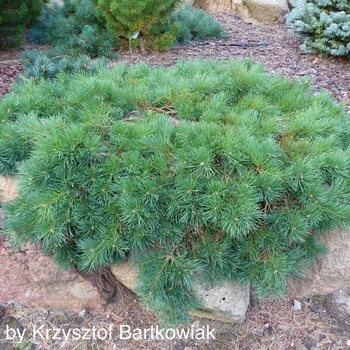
15	16
35	9
144	21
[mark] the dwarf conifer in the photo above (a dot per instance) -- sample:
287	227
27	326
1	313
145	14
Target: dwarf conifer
324	25
205	171
141	22
74	28
14	17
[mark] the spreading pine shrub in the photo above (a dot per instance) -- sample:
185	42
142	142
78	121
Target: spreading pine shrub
324	25
209	171
39	65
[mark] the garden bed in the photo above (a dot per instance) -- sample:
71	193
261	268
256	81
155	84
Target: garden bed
269	325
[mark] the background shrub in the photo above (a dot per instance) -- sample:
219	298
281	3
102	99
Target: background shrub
324	25
144	21
207	171
74	28
80	27
196	25
14	17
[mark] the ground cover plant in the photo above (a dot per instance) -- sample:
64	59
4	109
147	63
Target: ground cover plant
324	25
196	24
207	171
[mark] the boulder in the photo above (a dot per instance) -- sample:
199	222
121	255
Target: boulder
225	303
215	6
32	279
331	273
250	10
267	10
8	189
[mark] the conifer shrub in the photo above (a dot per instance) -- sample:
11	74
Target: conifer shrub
196	24
35	9
39	65
141	22
204	171
324	25
14	17
80	27
74	28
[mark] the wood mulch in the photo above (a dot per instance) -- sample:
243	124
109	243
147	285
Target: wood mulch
10	68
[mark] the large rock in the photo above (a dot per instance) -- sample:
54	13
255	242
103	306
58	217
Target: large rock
226	303
216	6
8	189
32	279
267	10
331	273
252	10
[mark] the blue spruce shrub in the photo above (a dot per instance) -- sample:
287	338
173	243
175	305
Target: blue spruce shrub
324	25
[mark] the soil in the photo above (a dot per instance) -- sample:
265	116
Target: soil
320	324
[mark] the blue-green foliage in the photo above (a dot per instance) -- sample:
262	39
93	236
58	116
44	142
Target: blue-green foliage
78	27
39	65
324	25
74	28
196	25
206	170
